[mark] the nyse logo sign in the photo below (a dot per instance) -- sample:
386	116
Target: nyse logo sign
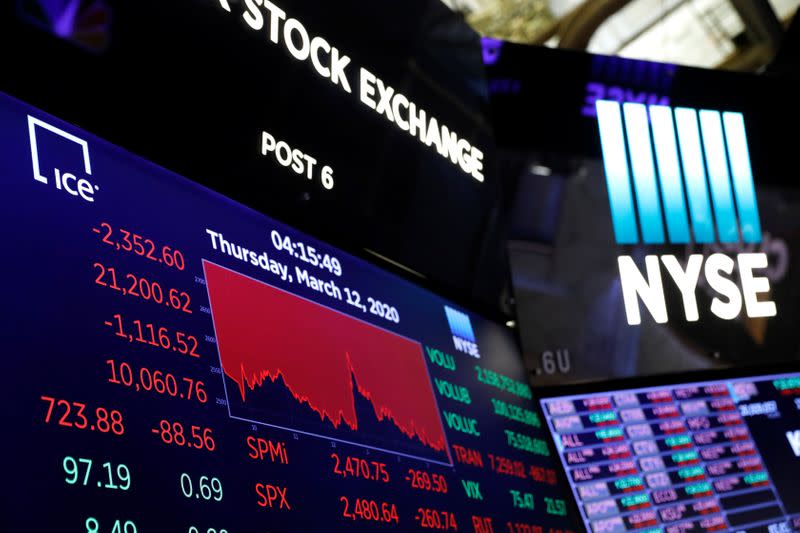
794	441
461	328
63	180
697	166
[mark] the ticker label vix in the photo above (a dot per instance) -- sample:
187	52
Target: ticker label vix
463	335
706	155
64	179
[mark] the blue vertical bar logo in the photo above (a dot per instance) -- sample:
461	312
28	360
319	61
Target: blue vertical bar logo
685	174
461	328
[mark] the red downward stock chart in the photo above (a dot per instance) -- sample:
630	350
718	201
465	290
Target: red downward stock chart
297	365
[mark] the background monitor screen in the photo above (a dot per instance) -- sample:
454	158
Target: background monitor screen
569	289
721	455
178	362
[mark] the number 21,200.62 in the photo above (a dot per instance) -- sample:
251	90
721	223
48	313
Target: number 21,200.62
141	287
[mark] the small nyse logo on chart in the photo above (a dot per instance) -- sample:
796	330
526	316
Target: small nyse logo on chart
51	147
697	165
463	335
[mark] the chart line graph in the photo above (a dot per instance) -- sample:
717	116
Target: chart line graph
291	363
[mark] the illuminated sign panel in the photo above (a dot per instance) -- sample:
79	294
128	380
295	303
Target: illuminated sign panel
331	63
175	350
690	181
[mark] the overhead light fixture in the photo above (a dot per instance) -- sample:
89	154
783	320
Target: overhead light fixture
541	170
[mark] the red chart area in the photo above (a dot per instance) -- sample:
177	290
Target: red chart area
322	356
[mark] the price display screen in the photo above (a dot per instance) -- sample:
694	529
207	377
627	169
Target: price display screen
709	456
178	362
